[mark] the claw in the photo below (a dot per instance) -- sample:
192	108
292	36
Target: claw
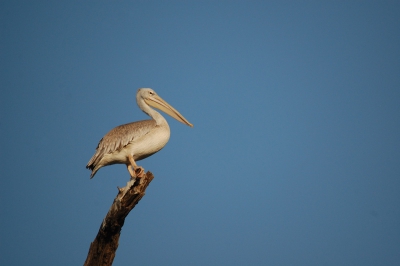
139	172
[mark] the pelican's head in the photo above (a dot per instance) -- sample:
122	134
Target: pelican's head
150	97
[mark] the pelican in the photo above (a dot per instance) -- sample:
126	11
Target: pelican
129	143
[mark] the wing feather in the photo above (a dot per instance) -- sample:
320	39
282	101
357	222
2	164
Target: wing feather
118	137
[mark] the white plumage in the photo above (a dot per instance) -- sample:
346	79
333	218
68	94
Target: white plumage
135	141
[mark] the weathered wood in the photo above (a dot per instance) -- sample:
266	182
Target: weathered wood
102	249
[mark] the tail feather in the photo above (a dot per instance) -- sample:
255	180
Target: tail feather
93	168
93	173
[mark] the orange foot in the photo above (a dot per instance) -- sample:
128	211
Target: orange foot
139	172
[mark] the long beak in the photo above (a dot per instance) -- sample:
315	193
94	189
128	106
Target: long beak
157	102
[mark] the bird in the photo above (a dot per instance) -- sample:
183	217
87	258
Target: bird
132	142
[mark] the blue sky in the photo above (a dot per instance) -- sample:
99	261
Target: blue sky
294	158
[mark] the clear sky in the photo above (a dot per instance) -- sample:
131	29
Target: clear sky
294	158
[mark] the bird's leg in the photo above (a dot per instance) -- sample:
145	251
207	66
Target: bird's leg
131	172
138	170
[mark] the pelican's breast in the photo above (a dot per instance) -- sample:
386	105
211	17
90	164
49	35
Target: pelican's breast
150	143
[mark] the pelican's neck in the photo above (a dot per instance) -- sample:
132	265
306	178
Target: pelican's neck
160	120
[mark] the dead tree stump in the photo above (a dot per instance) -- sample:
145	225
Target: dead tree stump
102	249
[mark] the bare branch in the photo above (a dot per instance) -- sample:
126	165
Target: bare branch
102	249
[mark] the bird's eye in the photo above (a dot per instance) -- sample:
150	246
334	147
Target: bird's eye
151	93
